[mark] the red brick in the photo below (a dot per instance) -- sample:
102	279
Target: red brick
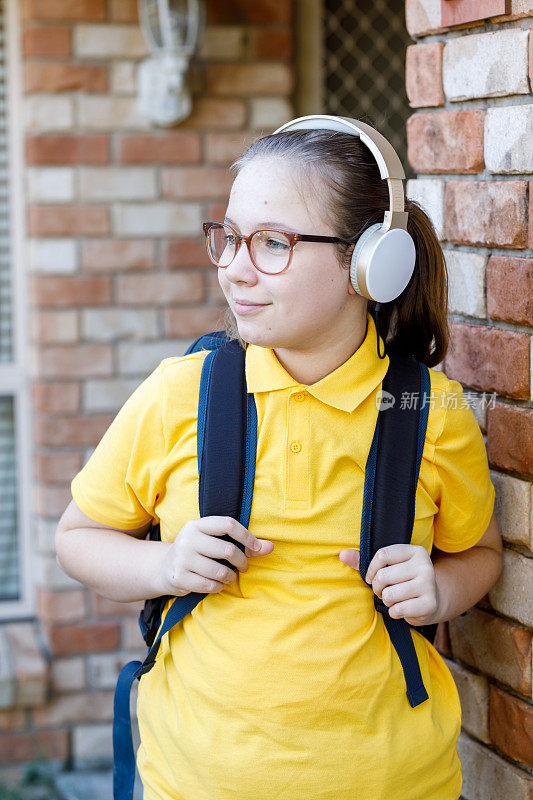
195	183
22	747
423	74
68	220
103	607
241	11
208	114
530	207
185	253
90	638
82	361
489	359
486	213
47	42
446	141
81	430
69	290
124	10
46	328
65	77
118	255
494	646
511	725
64	10
188	322
56	467
250	79
12	719
60	607
225	148
510	289
75	708
160	289
270	43
165	148
56	398
67	149
510	437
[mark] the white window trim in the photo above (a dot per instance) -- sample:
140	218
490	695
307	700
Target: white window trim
15	378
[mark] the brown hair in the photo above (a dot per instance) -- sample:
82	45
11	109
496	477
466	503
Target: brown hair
355	197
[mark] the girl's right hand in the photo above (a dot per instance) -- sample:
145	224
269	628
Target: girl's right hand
188	564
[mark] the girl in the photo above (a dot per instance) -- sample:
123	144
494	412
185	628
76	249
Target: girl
283	682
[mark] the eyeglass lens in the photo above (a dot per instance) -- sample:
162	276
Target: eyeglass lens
270	249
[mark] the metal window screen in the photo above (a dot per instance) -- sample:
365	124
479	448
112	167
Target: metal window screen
9	552
364	66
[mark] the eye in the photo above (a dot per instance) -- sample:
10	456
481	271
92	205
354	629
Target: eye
229	238
276	245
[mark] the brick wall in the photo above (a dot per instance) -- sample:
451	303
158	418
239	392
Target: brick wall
118	280
470	141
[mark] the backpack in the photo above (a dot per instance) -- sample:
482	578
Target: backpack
226	443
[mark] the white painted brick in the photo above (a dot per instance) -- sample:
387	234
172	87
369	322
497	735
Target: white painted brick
93	745
491	64
466	279
7	676
110	113
124	77
110	324
140	358
65	324
51	256
44	530
46	112
487	776
109	41
51	576
103	669
108	183
107	395
422	16
511	594
269	112
508	139
429	193
512	506
50	184
474	696
157	219
68	674
223	42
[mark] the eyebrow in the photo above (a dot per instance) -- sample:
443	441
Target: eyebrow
267	223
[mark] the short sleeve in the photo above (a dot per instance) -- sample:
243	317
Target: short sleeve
118	484
464	492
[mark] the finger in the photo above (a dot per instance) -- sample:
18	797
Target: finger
350	557
392	554
266	546
213	547
400	592
213	569
395	574
218	526
415	608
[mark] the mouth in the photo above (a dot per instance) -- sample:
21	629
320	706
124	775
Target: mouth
246	306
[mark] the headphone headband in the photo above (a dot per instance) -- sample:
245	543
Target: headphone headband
388	161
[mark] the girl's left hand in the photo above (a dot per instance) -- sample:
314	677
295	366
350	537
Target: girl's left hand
403	576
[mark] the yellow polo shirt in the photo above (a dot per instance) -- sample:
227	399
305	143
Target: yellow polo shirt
285	684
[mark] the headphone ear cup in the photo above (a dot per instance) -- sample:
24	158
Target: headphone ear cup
355	256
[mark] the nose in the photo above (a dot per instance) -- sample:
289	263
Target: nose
241	268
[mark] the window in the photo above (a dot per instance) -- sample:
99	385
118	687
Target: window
15	486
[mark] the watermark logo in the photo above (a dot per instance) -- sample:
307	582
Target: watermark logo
408	400
384	399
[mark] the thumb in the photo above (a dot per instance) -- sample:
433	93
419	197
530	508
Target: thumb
350	558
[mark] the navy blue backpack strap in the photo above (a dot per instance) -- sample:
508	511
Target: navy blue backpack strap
391	478
227	432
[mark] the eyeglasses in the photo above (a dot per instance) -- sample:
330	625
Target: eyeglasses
270	250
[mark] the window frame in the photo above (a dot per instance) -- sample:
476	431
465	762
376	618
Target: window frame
15	378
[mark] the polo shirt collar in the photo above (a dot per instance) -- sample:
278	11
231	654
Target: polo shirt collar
344	388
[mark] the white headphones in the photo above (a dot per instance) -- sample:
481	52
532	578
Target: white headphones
384	256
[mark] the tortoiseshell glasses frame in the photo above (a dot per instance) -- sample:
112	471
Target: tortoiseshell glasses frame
292	238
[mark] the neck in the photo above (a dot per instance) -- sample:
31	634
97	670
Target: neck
310	367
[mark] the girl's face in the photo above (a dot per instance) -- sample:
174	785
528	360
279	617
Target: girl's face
310	306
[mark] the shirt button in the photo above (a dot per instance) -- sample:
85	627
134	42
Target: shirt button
296	447
300	396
